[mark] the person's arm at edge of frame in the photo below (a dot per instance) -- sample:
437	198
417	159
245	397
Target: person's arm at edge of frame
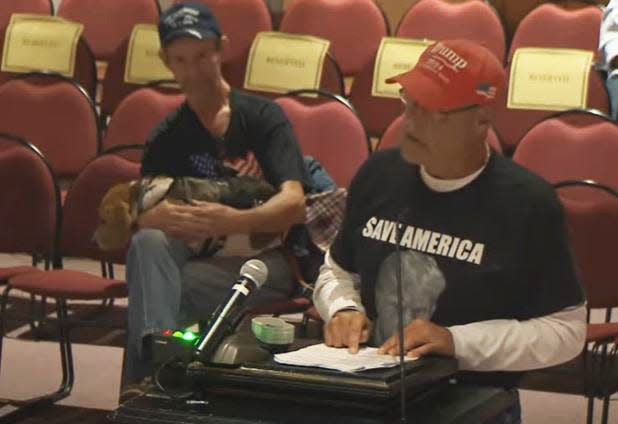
608	39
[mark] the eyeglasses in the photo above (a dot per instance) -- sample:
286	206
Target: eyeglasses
412	103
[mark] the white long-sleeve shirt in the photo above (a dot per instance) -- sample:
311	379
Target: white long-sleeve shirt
608	37
494	345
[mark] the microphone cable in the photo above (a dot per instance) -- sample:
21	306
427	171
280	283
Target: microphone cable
398	276
171	392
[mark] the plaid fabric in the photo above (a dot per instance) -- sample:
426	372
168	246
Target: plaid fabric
325	215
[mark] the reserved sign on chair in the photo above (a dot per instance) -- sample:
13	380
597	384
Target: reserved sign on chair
549	78
143	64
281	62
40	43
395	56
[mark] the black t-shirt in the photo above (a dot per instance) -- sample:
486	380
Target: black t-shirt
181	146
496	248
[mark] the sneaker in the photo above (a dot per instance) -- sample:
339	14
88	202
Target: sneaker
133	390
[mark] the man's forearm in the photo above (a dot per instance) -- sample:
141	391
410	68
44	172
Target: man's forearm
511	345
278	214
335	290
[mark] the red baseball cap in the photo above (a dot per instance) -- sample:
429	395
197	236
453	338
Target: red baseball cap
452	74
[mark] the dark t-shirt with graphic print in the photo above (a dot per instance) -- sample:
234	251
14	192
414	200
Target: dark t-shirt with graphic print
496	248
258	130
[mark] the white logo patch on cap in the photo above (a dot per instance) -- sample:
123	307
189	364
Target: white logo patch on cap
449	57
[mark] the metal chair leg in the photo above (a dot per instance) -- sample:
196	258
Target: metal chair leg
590	411
5	298
605	413
66	358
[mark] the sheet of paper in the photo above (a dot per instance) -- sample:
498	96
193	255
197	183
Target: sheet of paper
40	43
395	56
280	62
340	359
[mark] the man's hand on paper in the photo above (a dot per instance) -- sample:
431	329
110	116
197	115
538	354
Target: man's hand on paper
347	328
421	337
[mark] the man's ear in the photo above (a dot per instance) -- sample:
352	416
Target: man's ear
224	45
485	117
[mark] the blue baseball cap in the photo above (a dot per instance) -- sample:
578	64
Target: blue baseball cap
188	20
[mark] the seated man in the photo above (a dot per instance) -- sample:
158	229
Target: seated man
482	252
608	47
216	129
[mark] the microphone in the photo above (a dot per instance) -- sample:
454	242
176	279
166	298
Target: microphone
226	317
400	324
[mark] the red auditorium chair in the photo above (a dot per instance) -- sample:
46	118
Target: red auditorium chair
473	20
551	26
114	88
85	71
331	81
331	132
136	116
107	23
79	221
31	205
354	27
391	137
592	220
56	115
8	7
572	145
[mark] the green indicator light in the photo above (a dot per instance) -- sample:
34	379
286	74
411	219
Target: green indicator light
177	334
189	336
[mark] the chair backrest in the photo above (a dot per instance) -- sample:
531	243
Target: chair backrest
107	23
593	230
572	146
136	116
550	25
8	7
56	115
331	132
331	81
240	20
472	20
85	71
30	213
376	112
513	12
513	123
114	87
354	27
391	136
80	212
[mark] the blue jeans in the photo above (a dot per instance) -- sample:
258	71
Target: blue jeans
612	89
169	288
512	415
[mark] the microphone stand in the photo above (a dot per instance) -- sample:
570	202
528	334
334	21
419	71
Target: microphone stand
402	369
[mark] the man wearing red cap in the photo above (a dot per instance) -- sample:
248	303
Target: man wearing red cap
480	242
